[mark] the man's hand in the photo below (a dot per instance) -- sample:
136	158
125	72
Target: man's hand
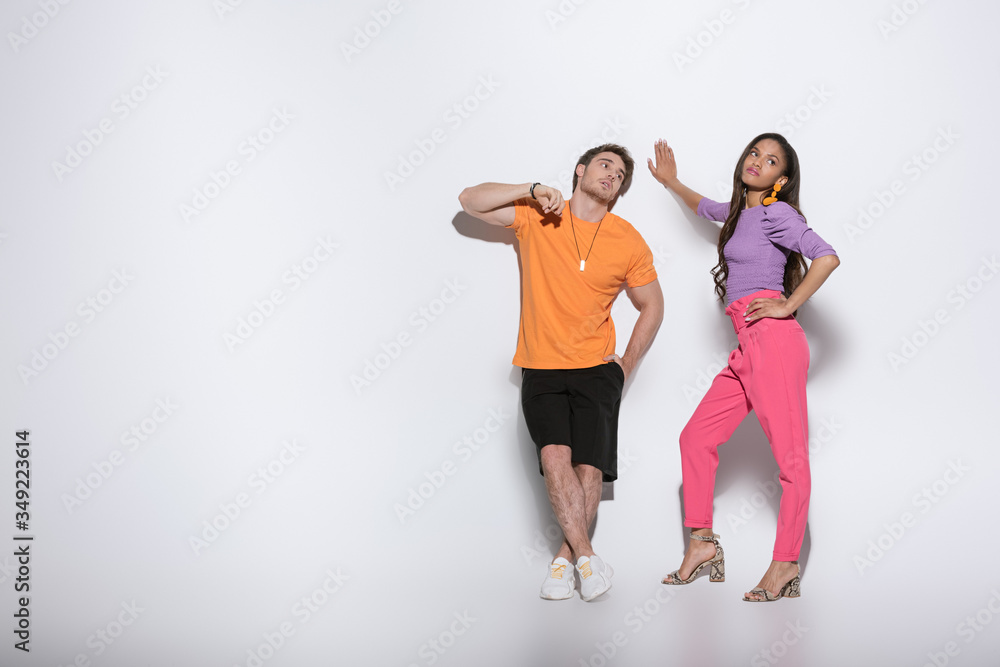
550	199
621	362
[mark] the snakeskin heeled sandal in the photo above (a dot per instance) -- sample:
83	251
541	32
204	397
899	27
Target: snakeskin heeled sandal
789	590
718	563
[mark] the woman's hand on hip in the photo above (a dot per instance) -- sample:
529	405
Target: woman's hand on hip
760	308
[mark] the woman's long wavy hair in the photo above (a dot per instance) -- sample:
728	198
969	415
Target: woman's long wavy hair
795	268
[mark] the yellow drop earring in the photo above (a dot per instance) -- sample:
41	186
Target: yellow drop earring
774	195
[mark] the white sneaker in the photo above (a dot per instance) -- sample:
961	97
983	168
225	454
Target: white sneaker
595	577
560	582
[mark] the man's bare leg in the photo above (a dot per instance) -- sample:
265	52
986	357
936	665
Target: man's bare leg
591	480
574	492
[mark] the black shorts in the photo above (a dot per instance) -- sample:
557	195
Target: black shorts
577	407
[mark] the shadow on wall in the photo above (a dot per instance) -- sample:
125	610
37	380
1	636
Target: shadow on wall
473	228
826	338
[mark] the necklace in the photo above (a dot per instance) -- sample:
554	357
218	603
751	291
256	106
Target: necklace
583	260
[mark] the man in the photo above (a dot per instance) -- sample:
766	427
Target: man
575	256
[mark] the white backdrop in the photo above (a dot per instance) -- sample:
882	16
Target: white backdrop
264	358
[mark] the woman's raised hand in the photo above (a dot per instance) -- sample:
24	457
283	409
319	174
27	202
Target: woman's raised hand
665	168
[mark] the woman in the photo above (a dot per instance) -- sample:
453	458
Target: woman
762	277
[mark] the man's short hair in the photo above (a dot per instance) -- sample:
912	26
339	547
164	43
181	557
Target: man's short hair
620	151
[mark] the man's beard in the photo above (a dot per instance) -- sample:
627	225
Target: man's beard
596	192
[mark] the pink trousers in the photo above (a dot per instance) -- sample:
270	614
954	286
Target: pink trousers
766	374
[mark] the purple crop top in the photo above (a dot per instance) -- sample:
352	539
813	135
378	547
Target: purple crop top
759	248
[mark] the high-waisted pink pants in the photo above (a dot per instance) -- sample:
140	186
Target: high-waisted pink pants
766	374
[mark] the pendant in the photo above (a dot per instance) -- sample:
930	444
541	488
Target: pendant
583	263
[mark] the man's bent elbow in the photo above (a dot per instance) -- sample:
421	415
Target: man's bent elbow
463	198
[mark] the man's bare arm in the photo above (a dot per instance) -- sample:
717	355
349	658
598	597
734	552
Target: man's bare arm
649	299
493	202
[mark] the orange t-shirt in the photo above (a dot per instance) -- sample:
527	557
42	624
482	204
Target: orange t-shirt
566	313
